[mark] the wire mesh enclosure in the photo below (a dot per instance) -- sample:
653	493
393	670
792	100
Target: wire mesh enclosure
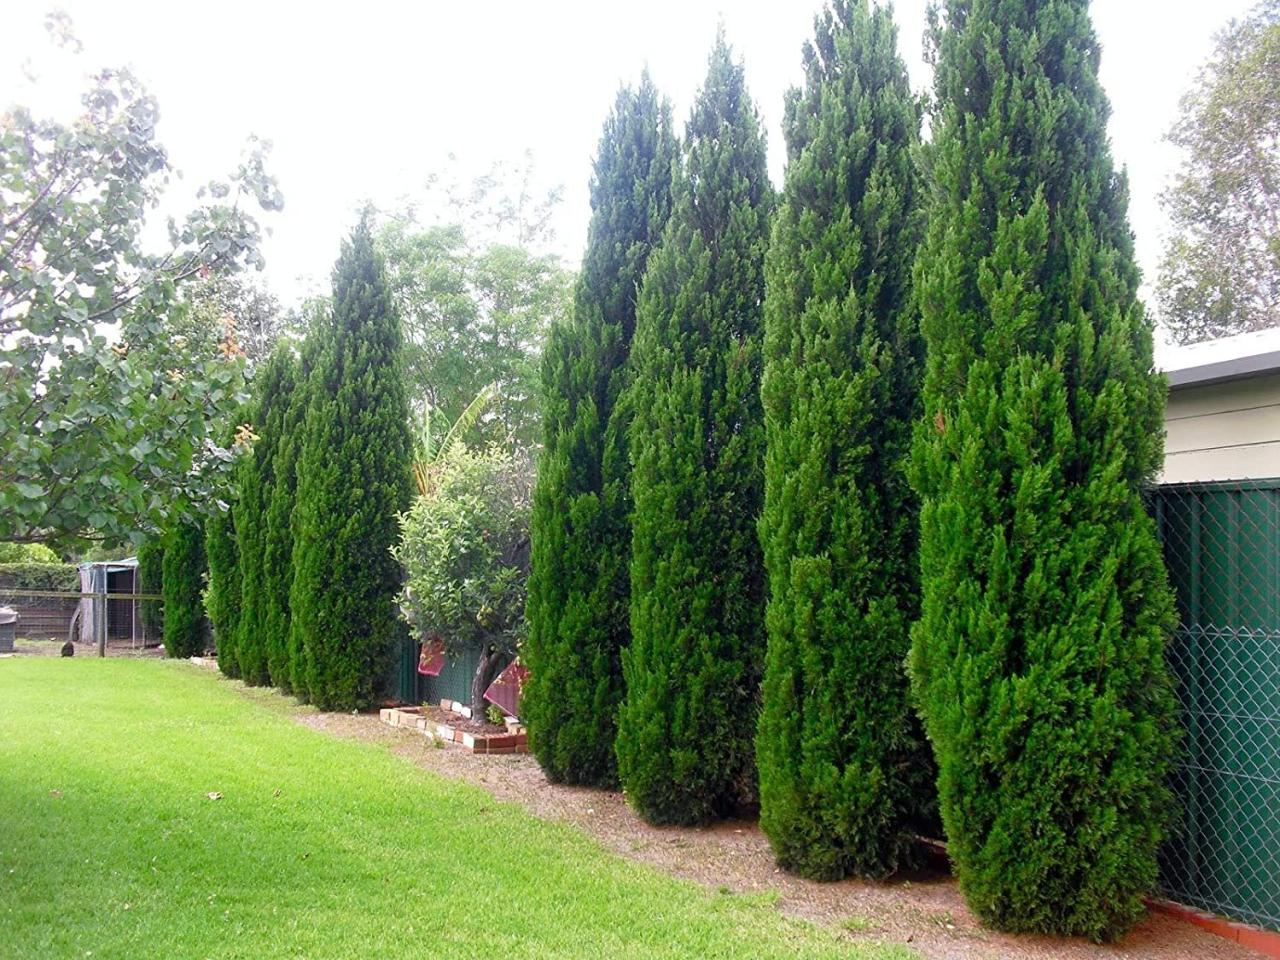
1222	548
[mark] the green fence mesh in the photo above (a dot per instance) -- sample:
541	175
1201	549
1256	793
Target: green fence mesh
1222	548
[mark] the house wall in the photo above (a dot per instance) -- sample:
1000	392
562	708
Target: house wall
1223	431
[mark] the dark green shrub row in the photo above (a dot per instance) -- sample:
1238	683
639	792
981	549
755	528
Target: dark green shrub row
962	447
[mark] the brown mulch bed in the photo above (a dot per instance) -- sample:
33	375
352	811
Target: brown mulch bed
924	909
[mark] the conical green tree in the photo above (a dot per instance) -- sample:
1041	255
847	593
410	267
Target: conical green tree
278	422
693	668
222	596
151	581
353	479
1038	660
842	764
255	482
282	526
185	627
578	585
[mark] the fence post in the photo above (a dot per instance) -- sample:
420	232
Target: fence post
100	622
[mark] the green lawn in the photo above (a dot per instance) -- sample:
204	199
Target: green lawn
111	847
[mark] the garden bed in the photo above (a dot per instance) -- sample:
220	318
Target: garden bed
453	723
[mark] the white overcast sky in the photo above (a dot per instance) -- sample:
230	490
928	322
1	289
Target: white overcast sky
363	99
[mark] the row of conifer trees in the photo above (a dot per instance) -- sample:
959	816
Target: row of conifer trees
840	507
301	578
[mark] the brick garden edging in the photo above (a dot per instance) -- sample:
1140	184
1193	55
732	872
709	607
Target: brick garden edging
1266	942
513	740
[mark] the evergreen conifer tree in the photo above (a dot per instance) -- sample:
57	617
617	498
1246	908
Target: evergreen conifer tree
577	609
151	580
256	477
353	479
1038	660
185	629
274	564
222	597
692	670
841	761
282	526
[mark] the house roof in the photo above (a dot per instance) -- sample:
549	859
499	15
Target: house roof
1216	361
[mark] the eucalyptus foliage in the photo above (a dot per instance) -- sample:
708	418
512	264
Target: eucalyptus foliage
109	422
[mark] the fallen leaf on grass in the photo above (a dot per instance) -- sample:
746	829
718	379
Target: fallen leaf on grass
215	795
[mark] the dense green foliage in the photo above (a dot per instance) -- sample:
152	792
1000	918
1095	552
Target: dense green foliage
1038	661
578	616
353	479
151	580
839	754
39	576
262	657
1221	268
692	671
281	417
27	553
185	628
313	827
477	295
465	552
102	435
222	596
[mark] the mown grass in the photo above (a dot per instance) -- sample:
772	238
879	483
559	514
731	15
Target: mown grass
110	845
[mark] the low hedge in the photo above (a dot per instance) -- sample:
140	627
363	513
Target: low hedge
39	576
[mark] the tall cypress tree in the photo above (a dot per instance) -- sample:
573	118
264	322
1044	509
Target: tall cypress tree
840	759
274	565
185	627
697	443
151	580
1039	656
222	596
283	523
578	585
353	479
256	477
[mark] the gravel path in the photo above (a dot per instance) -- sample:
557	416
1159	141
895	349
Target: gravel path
924	910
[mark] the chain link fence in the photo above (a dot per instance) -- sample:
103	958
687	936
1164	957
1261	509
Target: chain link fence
101	623
1222	549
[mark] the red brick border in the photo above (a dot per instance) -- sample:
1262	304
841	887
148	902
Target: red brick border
512	740
1266	942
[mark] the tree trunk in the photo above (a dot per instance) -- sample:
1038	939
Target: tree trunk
492	663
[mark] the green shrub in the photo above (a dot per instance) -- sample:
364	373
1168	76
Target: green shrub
354	479
151	580
39	576
27	553
185	628
222	596
465	552
1038	661
844	772
578	586
686	726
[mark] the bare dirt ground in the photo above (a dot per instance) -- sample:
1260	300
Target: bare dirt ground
23	647
924	910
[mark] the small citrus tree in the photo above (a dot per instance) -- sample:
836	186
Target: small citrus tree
465	552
